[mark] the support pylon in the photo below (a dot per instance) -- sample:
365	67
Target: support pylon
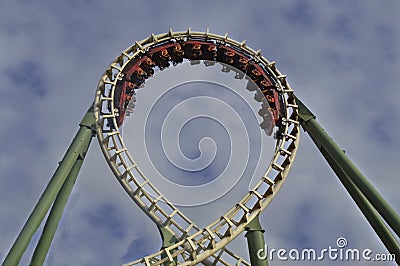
256	243
367	198
71	160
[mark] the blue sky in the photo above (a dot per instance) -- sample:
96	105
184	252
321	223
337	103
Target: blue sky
341	57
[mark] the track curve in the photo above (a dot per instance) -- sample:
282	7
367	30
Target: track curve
113	102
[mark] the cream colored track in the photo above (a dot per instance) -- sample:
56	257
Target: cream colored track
195	245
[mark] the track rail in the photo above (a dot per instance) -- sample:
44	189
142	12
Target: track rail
194	245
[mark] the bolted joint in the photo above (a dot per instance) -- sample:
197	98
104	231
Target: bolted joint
89	120
254	226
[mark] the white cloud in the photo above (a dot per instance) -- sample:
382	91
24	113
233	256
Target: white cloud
341	59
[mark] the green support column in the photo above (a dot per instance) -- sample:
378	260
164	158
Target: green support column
77	148
55	215
256	243
363	193
168	239
367	209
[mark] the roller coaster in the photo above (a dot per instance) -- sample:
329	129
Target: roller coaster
183	241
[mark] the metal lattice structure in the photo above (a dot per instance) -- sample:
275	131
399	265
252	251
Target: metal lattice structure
194	244
184	242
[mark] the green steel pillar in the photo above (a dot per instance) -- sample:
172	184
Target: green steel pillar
256	243
77	149
363	193
168	239
368	210
55	215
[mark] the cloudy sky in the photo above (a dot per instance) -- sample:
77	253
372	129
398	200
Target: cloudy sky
341	57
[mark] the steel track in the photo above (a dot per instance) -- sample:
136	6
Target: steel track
195	245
